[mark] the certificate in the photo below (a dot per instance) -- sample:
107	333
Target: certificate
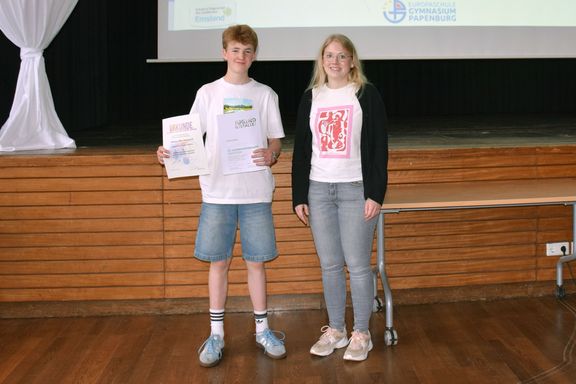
182	136
239	135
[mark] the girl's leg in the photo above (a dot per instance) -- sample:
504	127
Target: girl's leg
357	237
326	232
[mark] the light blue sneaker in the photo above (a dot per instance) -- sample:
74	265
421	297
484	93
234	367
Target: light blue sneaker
210	352
272	346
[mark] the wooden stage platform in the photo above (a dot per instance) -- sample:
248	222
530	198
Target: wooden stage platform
101	230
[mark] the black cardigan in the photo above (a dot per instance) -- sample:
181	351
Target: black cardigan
373	147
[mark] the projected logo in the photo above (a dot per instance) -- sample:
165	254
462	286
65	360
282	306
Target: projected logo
394	11
420	12
217	14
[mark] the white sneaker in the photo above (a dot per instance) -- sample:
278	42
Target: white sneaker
360	345
329	341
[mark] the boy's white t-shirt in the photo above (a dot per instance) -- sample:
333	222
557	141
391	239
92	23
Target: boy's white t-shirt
213	99
336	124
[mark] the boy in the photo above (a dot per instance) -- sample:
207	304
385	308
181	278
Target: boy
242	199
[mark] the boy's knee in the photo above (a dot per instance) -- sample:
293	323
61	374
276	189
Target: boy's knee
220	266
255	266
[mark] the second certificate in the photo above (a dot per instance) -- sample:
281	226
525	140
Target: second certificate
239	136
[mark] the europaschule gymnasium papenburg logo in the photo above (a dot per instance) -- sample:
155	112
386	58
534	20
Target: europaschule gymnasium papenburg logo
394	11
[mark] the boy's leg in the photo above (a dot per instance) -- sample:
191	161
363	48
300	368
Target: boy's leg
259	246
218	289
265	338
220	219
257	289
218	283
257	285
214	243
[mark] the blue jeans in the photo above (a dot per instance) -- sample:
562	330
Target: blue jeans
343	238
217	232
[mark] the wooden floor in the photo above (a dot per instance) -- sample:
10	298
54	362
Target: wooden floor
528	340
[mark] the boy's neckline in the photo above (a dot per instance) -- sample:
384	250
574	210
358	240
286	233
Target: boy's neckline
237	81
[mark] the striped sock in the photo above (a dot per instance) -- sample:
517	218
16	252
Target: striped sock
217	322
261	319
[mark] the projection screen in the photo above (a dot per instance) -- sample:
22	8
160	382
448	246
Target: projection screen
190	30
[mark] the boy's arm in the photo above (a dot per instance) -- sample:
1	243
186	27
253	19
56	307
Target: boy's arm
275	146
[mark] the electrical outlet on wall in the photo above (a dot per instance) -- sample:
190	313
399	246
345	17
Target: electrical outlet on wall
558	249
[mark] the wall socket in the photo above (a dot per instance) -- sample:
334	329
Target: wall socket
555	249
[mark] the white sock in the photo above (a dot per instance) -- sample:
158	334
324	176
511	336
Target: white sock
261	319
217	322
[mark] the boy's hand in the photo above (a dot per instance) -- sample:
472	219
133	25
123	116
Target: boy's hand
264	157
162	153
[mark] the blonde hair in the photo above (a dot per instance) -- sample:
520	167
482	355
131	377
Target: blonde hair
356	74
241	33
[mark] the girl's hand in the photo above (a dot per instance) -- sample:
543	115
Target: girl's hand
302	213
371	209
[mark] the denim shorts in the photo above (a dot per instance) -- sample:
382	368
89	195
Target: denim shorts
217	232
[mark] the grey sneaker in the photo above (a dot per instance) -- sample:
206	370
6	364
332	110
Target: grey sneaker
210	352
360	345
329	341
273	347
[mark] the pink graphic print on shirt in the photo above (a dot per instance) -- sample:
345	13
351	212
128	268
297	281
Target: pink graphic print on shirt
334	131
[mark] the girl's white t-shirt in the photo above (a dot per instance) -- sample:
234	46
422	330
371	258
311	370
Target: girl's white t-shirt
221	97
336	124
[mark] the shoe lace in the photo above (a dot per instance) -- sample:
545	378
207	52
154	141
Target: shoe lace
210	344
328	333
357	340
271	338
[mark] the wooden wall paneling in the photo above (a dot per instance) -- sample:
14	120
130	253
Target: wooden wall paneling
76	227
94	211
75	171
479	252
81	293
75	280
185	276
51	253
96	224
460	280
458	266
459	242
35	267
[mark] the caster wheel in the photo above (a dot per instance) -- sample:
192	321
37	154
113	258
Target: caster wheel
390	337
560	291
377	305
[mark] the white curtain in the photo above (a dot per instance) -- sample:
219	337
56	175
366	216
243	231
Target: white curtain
33	122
